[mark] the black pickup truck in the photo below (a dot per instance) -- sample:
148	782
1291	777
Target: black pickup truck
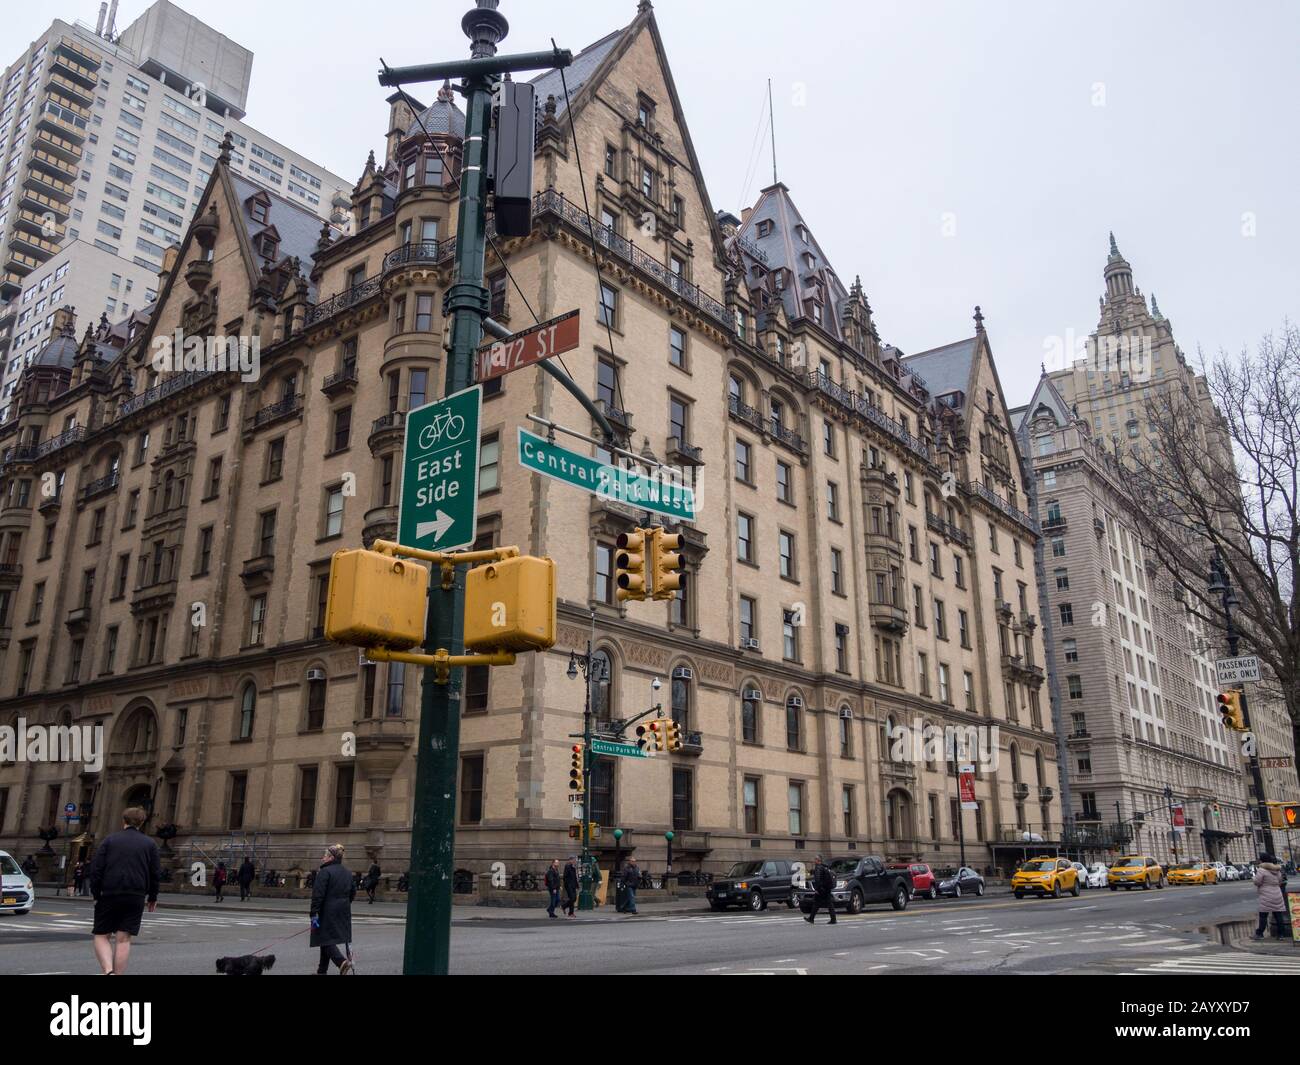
862	881
753	884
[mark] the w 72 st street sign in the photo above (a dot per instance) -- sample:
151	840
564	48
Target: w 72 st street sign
527	347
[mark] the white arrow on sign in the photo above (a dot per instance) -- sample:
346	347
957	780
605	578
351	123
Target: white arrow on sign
438	526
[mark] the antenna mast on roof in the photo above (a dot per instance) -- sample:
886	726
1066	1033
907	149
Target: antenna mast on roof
771	118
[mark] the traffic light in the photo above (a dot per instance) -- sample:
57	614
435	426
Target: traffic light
575	768
510	605
575	830
672	735
629	565
1291	816
375	600
650	736
666	562
1230	711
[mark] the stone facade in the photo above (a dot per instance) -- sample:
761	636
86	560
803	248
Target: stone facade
800	638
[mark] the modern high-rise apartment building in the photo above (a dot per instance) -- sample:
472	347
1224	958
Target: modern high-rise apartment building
1132	668
861	562
106	144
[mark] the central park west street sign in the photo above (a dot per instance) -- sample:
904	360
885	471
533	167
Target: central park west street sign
439	505
600	478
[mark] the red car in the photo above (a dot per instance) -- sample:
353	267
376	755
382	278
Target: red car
924	882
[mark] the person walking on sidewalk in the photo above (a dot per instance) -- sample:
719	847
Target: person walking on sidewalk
78	877
1268	891
552	881
570	885
245	878
823	881
125	874
219	878
331	911
372	882
630	878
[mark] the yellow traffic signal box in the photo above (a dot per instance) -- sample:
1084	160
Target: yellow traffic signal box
510	605
1230	711
576	768
672	735
376	600
629	565
665	562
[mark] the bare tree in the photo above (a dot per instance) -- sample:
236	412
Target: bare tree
1228	482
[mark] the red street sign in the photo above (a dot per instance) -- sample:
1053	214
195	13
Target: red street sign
527	347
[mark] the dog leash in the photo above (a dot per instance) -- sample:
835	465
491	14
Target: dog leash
295	935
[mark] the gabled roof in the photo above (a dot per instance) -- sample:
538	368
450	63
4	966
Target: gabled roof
946	368
785	248
297	228
1046	399
577	74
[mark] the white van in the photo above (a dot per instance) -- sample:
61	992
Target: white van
17	892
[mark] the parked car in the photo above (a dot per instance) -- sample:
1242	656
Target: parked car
17	892
1231	872
1082	871
1045	876
1135	870
861	881
753	884
965	881
1193	873
1221	870
1096	876
924	882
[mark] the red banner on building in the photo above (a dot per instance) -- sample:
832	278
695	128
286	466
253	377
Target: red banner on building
966	787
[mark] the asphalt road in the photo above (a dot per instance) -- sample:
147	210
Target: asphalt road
1100	932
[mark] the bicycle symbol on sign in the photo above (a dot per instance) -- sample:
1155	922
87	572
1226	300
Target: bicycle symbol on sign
448	425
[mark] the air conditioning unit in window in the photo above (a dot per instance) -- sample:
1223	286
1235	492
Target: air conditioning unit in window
683	673
315	674
752	694
795	701
749	644
846	713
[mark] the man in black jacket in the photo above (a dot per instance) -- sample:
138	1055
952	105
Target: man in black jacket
553	880
631	878
570	885
823	881
125	874
245	877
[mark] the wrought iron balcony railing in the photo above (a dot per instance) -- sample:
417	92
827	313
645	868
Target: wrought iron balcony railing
169	387
980	491
371	286
56	443
266	415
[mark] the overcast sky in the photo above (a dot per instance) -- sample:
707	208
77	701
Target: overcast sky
950	153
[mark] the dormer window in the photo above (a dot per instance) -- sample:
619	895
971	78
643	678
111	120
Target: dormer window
817	313
259	210
803	233
645	112
266	246
765	227
810	260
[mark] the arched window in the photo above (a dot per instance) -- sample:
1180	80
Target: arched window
1015	763
898	809
1040	769
735	389
681	702
794	723
316	702
602	685
749	704
247	708
846	732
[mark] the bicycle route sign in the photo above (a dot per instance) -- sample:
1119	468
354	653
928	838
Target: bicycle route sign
439	502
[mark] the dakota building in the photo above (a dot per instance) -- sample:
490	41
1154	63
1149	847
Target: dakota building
863	555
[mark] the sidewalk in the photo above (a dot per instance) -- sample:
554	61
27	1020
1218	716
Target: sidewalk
395	909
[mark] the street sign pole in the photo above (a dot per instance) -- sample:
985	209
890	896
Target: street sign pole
433	829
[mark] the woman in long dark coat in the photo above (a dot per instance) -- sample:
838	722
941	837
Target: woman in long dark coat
331	911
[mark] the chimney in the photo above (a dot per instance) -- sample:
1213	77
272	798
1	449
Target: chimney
65	322
170	256
99	26
745	213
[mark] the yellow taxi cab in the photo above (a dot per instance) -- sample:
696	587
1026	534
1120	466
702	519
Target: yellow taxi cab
1045	876
1193	873
1135	870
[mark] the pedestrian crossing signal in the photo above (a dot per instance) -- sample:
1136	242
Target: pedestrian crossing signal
629	565
650	736
1290	816
673	735
575	768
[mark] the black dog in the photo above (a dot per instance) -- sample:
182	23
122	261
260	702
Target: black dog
248	965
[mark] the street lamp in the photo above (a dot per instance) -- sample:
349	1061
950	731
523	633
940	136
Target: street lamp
669	873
